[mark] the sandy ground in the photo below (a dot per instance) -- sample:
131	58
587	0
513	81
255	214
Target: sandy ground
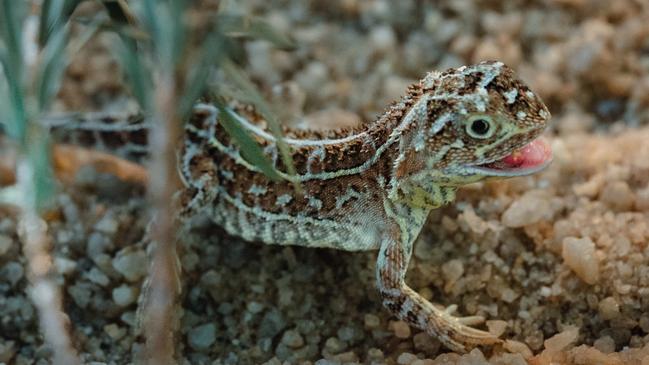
558	262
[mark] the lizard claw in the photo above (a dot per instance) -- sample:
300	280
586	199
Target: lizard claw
467	321
470	320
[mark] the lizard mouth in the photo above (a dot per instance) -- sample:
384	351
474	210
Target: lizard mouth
531	158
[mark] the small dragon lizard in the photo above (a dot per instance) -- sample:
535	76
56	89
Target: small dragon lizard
370	188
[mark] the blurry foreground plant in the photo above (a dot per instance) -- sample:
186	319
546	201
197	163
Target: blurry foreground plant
168	64
33	51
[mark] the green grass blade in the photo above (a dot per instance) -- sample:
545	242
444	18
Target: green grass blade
51	68
252	96
138	75
210	54
250	150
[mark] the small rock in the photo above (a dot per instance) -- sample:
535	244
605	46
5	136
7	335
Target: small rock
371	321
292	339
96	276
7	351
382	38
255	307
107	224
64	266
346	334
579	256
80	293
98	244
400	329
453	270
13	271
202	337
5	244
406	358
533	207
642	200
131	263
114	331
334	346
124	295
496	327
375	355
608	308
605	344
518	348
425	343
618	195
561	340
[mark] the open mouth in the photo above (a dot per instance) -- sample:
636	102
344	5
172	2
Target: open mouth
532	157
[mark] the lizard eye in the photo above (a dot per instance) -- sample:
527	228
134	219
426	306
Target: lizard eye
480	127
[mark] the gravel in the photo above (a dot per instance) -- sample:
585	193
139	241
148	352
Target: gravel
556	261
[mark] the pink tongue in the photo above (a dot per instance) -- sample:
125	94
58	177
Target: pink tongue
533	154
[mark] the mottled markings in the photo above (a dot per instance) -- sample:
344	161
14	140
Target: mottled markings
510	96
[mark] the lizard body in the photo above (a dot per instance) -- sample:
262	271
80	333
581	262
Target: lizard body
370	188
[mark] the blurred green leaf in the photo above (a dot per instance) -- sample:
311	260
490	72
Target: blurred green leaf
249	94
54	60
137	73
11	59
51	68
211	53
250	150
255	28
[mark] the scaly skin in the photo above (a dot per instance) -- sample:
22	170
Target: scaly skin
365	189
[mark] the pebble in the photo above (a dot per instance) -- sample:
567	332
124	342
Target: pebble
5	244
618	195
561	340
292	339
347	334
496	327
13	272
131	263
107	224
255	307
425	343
579	255
406	358
98	244
7	351
604	344
382	38
608	308
124	295
371	321
114	331
64	266
201	337
80	293
334	346
400	329
530	208
96	276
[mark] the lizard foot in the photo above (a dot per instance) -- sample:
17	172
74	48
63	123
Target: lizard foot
456	333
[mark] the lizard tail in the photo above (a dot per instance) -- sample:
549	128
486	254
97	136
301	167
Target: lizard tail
125	136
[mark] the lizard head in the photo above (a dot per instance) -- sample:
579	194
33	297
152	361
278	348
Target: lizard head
480	121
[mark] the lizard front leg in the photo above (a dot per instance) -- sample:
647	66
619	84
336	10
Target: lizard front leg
412	308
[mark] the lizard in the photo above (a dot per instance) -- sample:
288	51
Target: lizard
366	188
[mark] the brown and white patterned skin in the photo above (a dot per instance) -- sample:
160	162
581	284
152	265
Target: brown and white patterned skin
365	189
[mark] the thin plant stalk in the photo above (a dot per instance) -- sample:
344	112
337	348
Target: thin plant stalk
164	289
31	182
